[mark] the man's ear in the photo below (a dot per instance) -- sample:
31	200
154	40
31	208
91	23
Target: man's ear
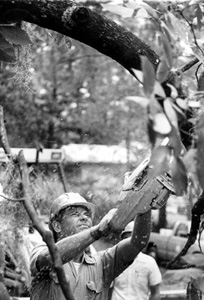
56	226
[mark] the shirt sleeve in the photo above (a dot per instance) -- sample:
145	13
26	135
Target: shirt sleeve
155	274
34	255
113	264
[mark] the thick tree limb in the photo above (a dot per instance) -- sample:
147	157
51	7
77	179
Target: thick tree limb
46	234
27	202
82	24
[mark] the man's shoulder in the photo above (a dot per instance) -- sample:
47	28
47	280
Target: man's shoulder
145	257
34	256
106	256
145	260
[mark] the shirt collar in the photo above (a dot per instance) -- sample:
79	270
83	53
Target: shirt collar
89	259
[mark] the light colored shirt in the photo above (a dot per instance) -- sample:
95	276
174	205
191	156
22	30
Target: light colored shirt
135	281
92	282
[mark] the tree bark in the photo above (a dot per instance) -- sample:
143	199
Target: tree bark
46	234
82	24
3	135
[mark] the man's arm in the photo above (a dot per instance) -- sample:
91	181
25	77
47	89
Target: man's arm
128	249
74	245
155	292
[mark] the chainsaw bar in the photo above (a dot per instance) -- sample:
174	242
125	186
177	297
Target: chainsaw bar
139	194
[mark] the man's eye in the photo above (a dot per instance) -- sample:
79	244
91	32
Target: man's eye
74	213
88	215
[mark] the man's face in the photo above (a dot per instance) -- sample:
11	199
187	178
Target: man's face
74	220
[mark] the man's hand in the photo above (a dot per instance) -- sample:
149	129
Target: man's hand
103	228
104	225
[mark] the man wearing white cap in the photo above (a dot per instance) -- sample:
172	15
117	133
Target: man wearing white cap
89	275
141	280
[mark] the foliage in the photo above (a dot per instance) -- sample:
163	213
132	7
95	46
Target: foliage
178	28
16	243
11	36
72	94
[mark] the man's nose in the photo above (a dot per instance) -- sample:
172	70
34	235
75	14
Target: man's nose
83	216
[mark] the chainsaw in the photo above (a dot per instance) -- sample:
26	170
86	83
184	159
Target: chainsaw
140	193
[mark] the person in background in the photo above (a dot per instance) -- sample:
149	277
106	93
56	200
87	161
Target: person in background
89	274
151	250
141	280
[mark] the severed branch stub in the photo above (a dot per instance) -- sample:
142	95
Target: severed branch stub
46	234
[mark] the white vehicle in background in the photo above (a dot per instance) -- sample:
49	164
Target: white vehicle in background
33	154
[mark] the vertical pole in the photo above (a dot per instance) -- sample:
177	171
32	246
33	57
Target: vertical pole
62	176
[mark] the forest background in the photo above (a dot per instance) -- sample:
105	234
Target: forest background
56	91
61	91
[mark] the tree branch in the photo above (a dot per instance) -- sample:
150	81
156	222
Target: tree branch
46	234
12	199
82	24
3	136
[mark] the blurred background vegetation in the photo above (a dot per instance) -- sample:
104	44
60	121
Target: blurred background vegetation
61	91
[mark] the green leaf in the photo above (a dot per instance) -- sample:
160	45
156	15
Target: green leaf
148	75
159	161
133	5
179	176
167	50
119	10
141	13
161	124
151	11
158	89
178	110
175	142
162	71
5	57
137	99
151	133
138	10
6	51
15	35
139	75
174	92
182	103
178	27
170	112
166	32
200	150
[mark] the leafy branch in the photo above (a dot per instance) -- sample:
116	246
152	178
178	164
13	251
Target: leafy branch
37	223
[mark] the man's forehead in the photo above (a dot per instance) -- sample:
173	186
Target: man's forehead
76	208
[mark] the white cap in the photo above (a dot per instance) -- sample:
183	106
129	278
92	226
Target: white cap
69	199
